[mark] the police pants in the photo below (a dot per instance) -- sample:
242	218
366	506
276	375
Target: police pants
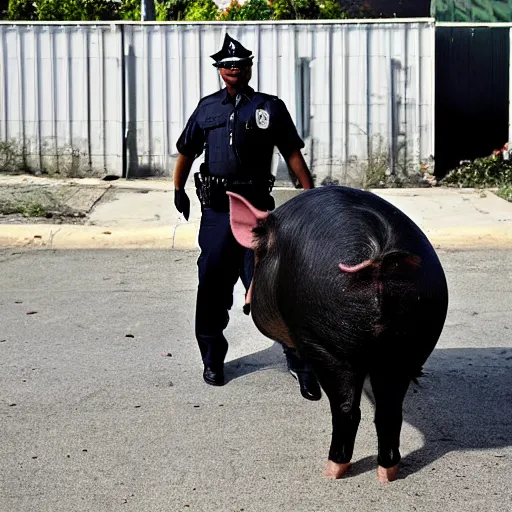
221	263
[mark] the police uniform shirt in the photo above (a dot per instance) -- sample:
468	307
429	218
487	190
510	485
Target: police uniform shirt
238	134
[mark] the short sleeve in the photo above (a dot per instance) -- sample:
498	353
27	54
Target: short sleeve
191	140
284	131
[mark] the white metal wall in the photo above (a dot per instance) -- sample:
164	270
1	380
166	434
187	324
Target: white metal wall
358	91
60	107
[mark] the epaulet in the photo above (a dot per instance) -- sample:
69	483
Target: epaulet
266	97
261	99
214	95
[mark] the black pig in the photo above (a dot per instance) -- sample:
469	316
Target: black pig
357	288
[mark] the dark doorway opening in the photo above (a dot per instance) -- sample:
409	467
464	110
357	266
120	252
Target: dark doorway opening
472	94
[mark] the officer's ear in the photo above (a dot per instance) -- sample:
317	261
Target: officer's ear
244	217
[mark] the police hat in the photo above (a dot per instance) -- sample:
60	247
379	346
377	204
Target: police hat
232	54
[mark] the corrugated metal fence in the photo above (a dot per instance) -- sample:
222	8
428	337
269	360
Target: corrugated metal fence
102	99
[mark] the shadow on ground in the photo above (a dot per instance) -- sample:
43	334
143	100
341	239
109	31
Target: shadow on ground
463	402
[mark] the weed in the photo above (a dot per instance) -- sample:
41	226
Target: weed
492	171
505	192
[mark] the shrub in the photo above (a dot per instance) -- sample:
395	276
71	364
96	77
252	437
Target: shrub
231	12
201	10
492	171
169	10
295	9
331	10
256	10
505	192
21	10
129	10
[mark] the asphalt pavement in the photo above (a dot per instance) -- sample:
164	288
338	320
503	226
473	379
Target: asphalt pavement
103	408
102	404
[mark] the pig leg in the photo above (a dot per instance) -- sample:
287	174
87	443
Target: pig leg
343	386
389	390
246	275
247	305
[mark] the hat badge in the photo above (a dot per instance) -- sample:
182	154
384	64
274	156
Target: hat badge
231	48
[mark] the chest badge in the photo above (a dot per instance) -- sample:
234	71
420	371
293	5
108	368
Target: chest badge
262	119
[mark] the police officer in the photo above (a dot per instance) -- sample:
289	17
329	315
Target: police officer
237	128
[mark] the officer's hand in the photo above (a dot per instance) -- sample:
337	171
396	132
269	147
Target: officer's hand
182	202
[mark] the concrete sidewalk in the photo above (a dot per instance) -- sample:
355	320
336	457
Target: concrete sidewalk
140	214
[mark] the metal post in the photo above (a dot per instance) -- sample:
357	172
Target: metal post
508	153
147	10
124	132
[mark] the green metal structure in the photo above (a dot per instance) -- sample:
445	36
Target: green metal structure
472	10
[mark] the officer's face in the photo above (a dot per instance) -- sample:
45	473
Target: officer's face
236	77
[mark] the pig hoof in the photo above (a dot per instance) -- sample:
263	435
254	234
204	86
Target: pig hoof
336	470
386	475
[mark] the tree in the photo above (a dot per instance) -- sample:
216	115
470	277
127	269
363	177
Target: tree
256	10
130	10
168	10
331	10
231	12
295	9
21	10
201	10
76	10
194	10
63	10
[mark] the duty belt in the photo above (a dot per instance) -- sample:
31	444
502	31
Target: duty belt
211	190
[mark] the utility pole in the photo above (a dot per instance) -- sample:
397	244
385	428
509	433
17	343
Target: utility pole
147	10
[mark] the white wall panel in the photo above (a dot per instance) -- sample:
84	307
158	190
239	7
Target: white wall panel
61	107
371	96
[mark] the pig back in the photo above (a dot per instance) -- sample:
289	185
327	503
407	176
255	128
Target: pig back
400	296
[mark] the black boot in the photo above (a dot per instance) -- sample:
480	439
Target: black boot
214	375
309	387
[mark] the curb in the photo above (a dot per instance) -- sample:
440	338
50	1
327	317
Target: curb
184	237
61	236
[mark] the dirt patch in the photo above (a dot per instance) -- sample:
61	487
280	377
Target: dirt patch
48	203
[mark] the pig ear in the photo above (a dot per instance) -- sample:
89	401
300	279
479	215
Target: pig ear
243	217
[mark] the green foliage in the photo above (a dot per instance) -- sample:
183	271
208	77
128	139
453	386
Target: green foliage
307	10
32	210
21	10
505	192
256	10
129	10
65	10
231	12
250	10
169	10
201	10
76	10
491	171
295	9
331	10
